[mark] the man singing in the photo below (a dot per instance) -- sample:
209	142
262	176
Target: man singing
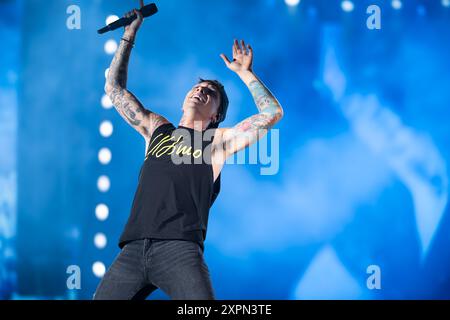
162	243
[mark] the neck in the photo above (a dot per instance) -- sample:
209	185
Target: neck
189	120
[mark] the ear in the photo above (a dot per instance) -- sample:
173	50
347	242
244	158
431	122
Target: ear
215	118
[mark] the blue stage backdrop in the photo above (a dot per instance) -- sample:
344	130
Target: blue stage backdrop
356	205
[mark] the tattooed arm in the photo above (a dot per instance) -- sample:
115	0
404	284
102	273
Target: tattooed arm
128	106
247	132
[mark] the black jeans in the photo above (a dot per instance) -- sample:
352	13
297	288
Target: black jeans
175	266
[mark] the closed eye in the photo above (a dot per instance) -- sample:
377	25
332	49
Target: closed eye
213	93
209	90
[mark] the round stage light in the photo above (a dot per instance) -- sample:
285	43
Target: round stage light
103	184
111	46
292	3
100	240
102	212
111	18
106	129
106	102
347	6
99	269
396	4
104	156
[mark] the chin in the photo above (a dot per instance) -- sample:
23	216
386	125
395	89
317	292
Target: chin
193	105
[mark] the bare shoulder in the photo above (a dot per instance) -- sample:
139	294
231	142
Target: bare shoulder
219	136
154	121
219	132
225	134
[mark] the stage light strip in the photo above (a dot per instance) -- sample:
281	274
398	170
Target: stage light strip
106	130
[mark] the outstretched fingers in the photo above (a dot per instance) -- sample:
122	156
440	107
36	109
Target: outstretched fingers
250	51
225	59
244	48
242	56
241	48
235	48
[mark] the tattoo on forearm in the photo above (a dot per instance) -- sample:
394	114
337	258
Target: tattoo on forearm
251	129
270	110
256	122
123	100
248	131
262	96
118	71
127	105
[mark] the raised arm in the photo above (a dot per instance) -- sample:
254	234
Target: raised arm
270	112
128	106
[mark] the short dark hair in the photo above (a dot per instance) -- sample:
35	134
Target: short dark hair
223	107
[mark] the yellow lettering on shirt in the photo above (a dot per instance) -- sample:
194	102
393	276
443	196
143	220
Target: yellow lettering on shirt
168	146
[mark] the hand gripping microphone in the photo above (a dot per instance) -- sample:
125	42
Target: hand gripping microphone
146	11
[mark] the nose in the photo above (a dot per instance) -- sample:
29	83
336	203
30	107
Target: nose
200	89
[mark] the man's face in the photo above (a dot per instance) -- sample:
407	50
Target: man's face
205	99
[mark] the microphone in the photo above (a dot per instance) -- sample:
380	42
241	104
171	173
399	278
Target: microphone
146	11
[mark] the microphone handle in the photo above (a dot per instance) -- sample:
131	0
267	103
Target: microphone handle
146	11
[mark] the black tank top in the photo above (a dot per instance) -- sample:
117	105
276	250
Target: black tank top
173	199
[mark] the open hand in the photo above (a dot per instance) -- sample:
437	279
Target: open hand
242	57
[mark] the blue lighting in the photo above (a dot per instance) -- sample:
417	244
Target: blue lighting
362	188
